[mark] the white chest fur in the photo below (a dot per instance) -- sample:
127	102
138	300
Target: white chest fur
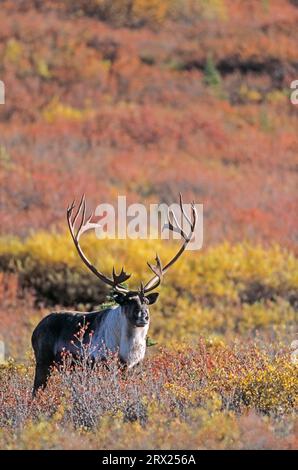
133	344
117	335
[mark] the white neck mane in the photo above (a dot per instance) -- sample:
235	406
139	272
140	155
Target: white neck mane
118	335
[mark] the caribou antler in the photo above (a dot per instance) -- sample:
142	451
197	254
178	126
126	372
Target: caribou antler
83	226
117	279
174	226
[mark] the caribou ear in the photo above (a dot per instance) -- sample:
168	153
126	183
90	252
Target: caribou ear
119	298
152	297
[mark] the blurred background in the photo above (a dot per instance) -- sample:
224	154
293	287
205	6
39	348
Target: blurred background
147	98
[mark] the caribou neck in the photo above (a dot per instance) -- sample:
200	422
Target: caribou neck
119	335
133	343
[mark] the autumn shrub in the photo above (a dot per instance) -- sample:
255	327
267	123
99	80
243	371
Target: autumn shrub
138	13
193	396
241	272
133	13
256	377
54	276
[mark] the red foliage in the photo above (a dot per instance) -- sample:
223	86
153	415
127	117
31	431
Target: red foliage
136	117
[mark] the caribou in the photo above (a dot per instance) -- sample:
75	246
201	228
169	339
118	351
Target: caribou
121	329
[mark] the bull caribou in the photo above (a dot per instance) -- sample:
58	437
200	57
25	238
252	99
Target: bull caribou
121	329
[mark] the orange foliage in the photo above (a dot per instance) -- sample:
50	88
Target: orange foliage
104	110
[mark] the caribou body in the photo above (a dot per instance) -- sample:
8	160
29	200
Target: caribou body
121	329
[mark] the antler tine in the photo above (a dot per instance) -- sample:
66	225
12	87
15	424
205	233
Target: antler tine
174	228
120	278
157	270
69	211
82	221
71	206
78	210
183	211
142	289
178	226
156	280
89	218
194	215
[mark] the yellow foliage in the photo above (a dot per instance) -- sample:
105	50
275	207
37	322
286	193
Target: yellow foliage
42	68
214	9
181	393
56	110
261	315
277	96
250	94
153	10
6	162
274	388
202	294
220	271
257	380
207	9
13	51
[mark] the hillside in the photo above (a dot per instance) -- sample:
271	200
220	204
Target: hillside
146	103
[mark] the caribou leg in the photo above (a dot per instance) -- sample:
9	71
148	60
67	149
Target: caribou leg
42	372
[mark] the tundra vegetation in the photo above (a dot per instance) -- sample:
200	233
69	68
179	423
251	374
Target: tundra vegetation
145	98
